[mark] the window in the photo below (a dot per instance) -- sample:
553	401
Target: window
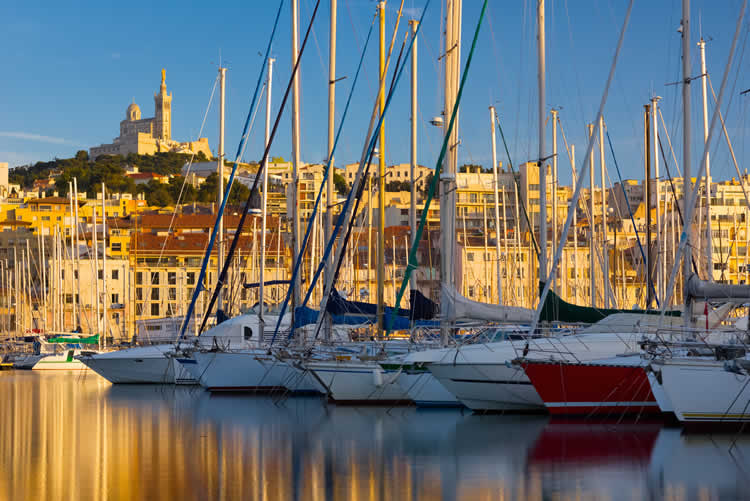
155	309
155	294
139	278
115	274
154	278
75	274
471	291
62	274
100	274
138	294
172	294
139	309
172	278
116	247
115	299
45	218
68	298
247	332
171	309
191	278
470	256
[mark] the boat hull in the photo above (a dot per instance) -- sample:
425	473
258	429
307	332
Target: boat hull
353	382
240	371
133	370
426	391
703	392
592	388
60	362
489	387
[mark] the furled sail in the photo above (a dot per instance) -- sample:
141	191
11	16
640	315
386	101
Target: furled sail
456	307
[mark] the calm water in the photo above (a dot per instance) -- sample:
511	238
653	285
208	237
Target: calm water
66	436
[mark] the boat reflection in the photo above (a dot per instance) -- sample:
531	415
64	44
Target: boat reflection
77	437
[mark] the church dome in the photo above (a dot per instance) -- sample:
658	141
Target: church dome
133	112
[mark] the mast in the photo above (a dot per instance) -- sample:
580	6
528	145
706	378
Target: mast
592	233
413	164
647	197
104	269
709	236
605	245
72	251
448	175
295	152
660	256
554	188
220	172
575	226
543	271
43	266
497	206
686	270
381	177
264	200
97	324
331	137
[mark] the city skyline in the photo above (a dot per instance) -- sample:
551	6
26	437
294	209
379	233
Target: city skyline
81	106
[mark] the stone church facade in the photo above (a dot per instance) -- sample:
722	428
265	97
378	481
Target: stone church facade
146	136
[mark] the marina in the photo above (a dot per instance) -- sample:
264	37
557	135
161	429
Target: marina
72	436
179	324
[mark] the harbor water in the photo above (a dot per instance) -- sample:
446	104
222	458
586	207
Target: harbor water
69	436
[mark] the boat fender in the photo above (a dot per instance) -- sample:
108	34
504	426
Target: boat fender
377	377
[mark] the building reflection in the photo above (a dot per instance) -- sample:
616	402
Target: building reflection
66	436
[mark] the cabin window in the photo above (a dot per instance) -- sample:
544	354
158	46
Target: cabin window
247	332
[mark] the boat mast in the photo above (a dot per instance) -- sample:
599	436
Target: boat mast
686	262
220	172
43	266
264	201
605	244
647	197
660	256
592	233
97	324
448	176
413	164
575	225
543	271
709	236
295	152
328	330
497	207
381	177
104	269
554	190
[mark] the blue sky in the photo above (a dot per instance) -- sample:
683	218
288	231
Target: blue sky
71	70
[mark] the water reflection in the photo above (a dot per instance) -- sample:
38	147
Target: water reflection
67	436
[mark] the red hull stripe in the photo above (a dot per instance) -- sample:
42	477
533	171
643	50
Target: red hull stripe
568	388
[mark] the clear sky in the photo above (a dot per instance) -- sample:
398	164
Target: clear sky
69	72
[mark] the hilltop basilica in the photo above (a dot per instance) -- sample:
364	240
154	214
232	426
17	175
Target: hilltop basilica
147	136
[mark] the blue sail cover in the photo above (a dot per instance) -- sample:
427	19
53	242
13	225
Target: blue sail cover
345	312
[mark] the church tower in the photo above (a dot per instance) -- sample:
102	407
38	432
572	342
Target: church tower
163	111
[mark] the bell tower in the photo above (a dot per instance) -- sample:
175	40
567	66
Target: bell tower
163	111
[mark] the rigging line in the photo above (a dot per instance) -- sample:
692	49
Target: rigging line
326	172
650	283
412	261
396	77
731	149
669	142
245	210
518	185
367	153
583	172
674	196
244	137
690	207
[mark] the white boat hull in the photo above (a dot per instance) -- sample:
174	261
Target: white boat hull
155	370
493	387
62	362
358	382
702	391
248	370
425	390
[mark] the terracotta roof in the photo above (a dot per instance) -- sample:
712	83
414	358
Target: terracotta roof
194	244
199	221
52	200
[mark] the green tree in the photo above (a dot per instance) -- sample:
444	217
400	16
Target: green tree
342	188
208	191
